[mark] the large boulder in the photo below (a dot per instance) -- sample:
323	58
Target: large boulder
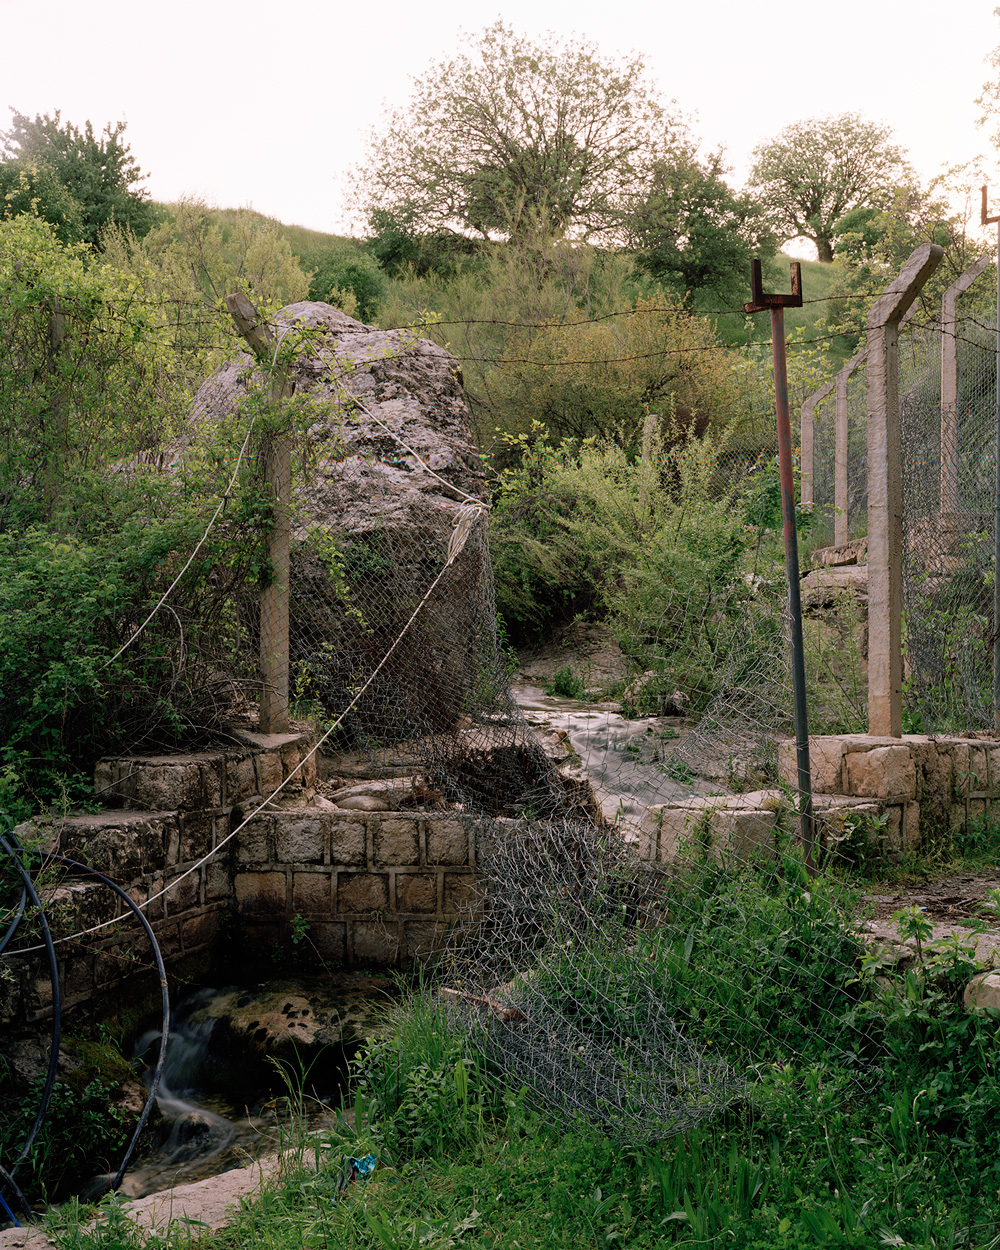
383	398
307	1025
389	462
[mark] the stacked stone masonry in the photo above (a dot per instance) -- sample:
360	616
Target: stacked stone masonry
374	887
903	789
385	887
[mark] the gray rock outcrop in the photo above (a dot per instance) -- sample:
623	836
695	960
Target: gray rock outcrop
386	463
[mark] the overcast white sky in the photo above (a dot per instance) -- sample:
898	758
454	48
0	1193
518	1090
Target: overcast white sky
268	105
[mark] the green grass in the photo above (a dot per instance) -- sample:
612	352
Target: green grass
817	278
894	1141
798	1166
310	246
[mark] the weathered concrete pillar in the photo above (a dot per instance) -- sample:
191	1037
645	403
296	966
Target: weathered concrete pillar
840	452
274	655
885	496
807	442
949	383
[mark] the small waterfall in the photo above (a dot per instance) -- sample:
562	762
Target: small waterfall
196	1132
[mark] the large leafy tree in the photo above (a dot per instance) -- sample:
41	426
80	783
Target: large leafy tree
873	244
514	137
27	187
97	172
692	233
817	171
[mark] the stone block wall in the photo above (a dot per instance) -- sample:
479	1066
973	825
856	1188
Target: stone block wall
373	887
915	787
376	888
925	784
209	781
735	828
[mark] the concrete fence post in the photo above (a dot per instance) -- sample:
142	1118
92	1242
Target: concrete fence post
885	496
949	383
807	443
274	657
840	497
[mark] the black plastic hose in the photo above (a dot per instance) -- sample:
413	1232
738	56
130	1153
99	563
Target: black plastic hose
12	927
22	1202
50	1076
164	999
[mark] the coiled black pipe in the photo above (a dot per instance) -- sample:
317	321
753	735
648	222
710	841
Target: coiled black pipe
164	999
30	892
50	950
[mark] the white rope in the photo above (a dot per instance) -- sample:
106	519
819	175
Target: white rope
187	564
222	502
419	459
465	520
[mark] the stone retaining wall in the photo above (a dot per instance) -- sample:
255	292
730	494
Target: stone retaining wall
906	790
384	887
374	887
368	887
926	784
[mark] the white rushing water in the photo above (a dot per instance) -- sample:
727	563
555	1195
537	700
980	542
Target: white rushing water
627	760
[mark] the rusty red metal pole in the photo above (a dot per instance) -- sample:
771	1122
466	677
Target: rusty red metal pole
776	305
794	598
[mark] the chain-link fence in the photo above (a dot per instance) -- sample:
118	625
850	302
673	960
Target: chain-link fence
949	458
947	390
840	491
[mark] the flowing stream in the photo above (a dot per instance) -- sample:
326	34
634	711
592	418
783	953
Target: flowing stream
205	1126
628	761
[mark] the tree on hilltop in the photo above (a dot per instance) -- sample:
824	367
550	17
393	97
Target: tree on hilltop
514	137
817	171
691	232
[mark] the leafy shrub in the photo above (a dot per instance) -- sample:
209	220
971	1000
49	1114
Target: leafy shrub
70	601
83	373
765	963
419	1084
356	272
753	965
661	549
600	378
566	683
86	1127
90	537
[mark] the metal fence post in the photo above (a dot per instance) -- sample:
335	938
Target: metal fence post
776	305
273	714
885	499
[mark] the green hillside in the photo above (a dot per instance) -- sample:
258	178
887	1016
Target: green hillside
311	247
817	278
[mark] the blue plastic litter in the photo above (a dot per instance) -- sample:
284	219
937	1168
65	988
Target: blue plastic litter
352	1170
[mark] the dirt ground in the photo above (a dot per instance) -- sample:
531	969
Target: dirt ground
952	906
208	1203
